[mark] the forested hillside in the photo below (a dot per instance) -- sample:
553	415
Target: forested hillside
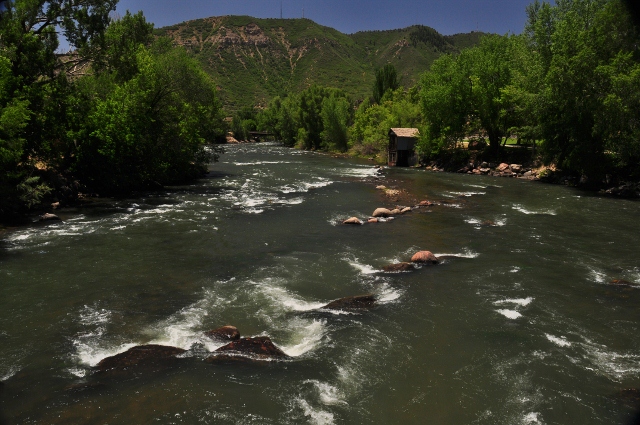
253	60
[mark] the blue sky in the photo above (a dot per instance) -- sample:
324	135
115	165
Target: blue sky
348	16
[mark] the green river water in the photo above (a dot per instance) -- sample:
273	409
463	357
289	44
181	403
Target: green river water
519	324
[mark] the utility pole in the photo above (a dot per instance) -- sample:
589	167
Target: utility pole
303	13
280	9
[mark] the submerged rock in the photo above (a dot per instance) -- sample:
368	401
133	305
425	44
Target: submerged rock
225	333
425	257
352	220
622	282
258	348
425	203
49	217
382	212
399	267
142	355
352	303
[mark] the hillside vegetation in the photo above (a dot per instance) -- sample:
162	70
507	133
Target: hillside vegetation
253	60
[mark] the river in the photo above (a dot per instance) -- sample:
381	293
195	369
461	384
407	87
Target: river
518	325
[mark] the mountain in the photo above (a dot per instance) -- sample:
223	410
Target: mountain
253	60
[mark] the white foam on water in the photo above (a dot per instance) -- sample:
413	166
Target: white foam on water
365	171
77	372
473	221
307	336
464	254
19	237
597	276
520	208
91	355
241	164
514	270
328	394
93	316
9	373
316	416
388	294
468	194
287	300
614	365
531	418
182	329
510	314
518	301
362	268
303	187
559	341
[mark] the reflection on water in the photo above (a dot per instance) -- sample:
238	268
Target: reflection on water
519	324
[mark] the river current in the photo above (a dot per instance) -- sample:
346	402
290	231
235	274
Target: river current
519	325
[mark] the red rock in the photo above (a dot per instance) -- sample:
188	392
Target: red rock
228	332
352	220
425	257
503	167
382	212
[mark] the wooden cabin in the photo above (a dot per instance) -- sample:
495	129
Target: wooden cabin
402	142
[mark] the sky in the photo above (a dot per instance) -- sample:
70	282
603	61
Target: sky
349	16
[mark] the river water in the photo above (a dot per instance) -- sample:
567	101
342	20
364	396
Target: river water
519	325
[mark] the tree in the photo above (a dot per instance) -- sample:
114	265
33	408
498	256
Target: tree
386	79
335	119
588	49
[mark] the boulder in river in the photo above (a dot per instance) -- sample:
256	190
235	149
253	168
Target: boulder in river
352	303
382	212
399	267
503	167
49	217
425	203
425	257
405	210
260	348
396	211
372	220
141	355
352	220
225	333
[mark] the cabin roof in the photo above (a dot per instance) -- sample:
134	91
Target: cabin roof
405	132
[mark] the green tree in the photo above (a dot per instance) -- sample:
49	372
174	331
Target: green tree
336	114
386	79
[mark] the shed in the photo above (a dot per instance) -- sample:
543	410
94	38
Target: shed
402	142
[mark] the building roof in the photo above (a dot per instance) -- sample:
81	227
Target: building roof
405	132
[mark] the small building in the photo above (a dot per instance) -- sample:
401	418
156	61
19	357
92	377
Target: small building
402	142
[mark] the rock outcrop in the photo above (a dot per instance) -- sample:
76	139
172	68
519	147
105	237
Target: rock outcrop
352	220
399	267
225	333
424	257
142	355
257	348
352	303
382	212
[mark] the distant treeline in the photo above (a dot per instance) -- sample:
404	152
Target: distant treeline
570	84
